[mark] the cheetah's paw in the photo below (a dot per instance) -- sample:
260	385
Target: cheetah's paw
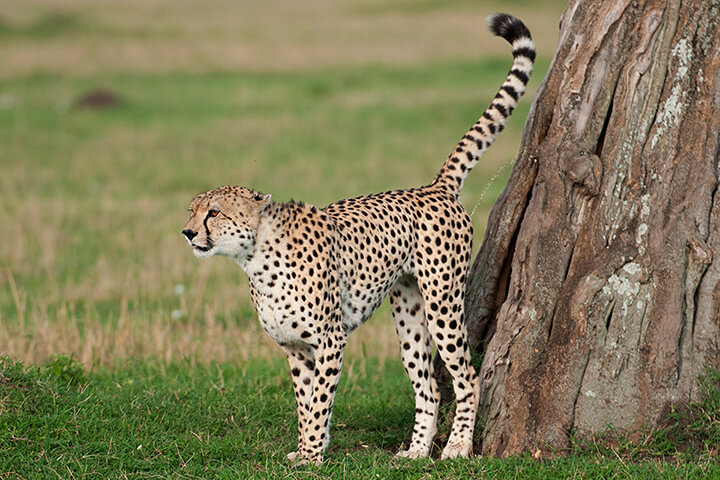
317	461
299	459
457	450
413	453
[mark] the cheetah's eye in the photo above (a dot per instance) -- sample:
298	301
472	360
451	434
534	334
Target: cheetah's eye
213	213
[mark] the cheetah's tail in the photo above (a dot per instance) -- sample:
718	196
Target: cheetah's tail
471	147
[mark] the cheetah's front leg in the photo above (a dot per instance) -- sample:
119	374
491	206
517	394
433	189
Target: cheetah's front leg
302	371
328	362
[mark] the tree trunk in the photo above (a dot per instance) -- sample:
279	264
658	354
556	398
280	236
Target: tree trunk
596	293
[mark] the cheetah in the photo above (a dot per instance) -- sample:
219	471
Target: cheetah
316	274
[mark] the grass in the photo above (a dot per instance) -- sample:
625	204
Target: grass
315	102
149	419
98	196
166	373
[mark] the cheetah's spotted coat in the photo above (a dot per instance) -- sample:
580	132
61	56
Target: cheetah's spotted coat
317	274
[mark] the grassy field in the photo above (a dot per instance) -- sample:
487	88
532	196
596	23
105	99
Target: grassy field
314	101
318	100
233	421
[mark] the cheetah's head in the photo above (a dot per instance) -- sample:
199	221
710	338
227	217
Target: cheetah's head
224	221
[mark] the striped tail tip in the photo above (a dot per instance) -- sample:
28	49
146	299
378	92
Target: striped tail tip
515	32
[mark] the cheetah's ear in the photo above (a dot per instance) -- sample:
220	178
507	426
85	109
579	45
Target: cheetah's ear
263	198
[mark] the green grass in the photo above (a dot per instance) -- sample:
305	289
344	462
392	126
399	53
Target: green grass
150	420
242	126
99	196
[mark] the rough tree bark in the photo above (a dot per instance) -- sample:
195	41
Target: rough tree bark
596	294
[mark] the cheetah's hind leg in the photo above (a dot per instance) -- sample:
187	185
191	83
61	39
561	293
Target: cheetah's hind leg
446	325
416	351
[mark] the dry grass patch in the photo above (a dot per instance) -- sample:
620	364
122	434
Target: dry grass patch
196	332
84	37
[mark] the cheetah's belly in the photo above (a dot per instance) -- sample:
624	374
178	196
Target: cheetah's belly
358	304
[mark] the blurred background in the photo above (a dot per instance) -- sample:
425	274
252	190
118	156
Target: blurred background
114	114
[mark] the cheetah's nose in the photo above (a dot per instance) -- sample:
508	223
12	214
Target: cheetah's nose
190	234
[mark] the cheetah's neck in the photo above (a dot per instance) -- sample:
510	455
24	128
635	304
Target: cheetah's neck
271	231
